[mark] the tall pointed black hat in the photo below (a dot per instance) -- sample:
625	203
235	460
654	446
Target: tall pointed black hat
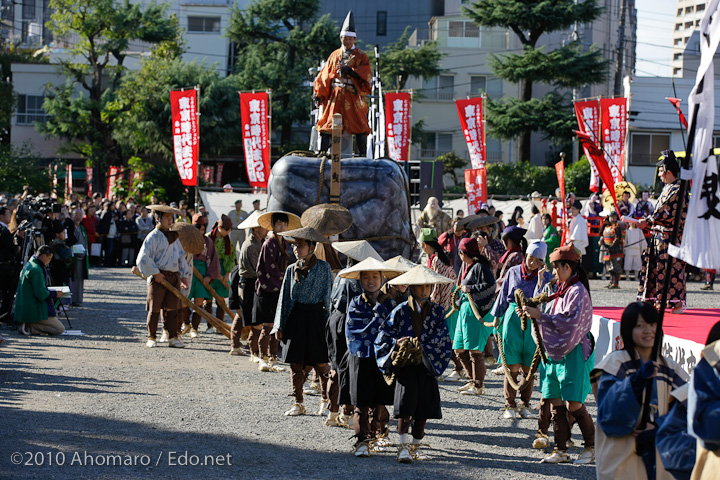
348	27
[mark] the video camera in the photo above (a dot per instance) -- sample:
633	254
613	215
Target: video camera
36	208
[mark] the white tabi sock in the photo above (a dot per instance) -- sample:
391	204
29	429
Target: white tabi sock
403	438
416	441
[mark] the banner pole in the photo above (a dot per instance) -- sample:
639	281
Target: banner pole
197	162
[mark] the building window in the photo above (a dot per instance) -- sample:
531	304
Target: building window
30	110
645	148
435	144
700	7
439	88
478	85
464	29
456	29
677	56
381	24
28	9
204	24
678	27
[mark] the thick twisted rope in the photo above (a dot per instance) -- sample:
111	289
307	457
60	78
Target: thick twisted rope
473	307
539	355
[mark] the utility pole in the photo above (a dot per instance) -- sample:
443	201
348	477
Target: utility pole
620	52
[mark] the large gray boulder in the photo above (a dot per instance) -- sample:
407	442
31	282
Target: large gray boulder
375	192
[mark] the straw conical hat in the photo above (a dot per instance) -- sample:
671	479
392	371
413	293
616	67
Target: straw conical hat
265	220
420	275
164	209
327	218
482	222
251	221
305	233
370	265
401	263
190	237
357	250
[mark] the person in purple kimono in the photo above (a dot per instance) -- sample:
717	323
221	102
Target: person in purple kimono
569	345
518	344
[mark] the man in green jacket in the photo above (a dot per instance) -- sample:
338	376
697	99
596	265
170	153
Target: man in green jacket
34	308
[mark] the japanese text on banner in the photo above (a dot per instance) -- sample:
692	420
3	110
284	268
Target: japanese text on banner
614	125
256	141
471	120
397	118
186	136
475	188
588	117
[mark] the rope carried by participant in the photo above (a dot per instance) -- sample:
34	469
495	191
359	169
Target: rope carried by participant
473	307
540	354
408	354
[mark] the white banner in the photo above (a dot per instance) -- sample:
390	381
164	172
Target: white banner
702	226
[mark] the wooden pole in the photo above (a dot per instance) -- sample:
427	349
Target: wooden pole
217	297
212	320
335	165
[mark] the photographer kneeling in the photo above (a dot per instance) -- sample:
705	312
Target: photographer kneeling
34	305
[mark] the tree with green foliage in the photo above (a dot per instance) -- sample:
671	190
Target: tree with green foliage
399	62
577	178
568	66
451	163
19	166
278	42
144	95
103	30
520	178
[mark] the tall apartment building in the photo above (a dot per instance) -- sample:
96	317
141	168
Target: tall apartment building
686	38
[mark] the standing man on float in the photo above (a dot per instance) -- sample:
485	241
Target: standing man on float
341	87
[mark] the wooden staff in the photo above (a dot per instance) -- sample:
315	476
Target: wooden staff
217	297
212	320
336	152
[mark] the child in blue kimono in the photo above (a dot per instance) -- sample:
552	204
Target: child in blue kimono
369	392
416	328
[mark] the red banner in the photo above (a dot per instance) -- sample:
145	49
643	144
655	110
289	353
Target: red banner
475	188
600	161
218	173
471	120
68	181
397	118
89	179
207	173
53	194
112	179
255	112
588	117
614	126
560	170
186	134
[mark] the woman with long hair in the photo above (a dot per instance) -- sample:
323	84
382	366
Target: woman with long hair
565	331
625	449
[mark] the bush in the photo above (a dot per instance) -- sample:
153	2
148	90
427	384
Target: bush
520	178
577	178
19	166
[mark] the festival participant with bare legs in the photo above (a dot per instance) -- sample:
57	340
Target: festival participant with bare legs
569	345
207	264
249	254
413	348
161	257
302	313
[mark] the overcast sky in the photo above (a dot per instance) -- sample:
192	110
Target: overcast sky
656	19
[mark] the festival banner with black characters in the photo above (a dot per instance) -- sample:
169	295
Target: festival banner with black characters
397	125
68	180
89	179
613	113
588	117
256	137
471	119
186	134
702	225
115	174
560	171
475	188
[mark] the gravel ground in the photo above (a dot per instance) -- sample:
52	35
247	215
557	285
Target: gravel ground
108	407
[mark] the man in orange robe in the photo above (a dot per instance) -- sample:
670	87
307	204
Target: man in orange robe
341	87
